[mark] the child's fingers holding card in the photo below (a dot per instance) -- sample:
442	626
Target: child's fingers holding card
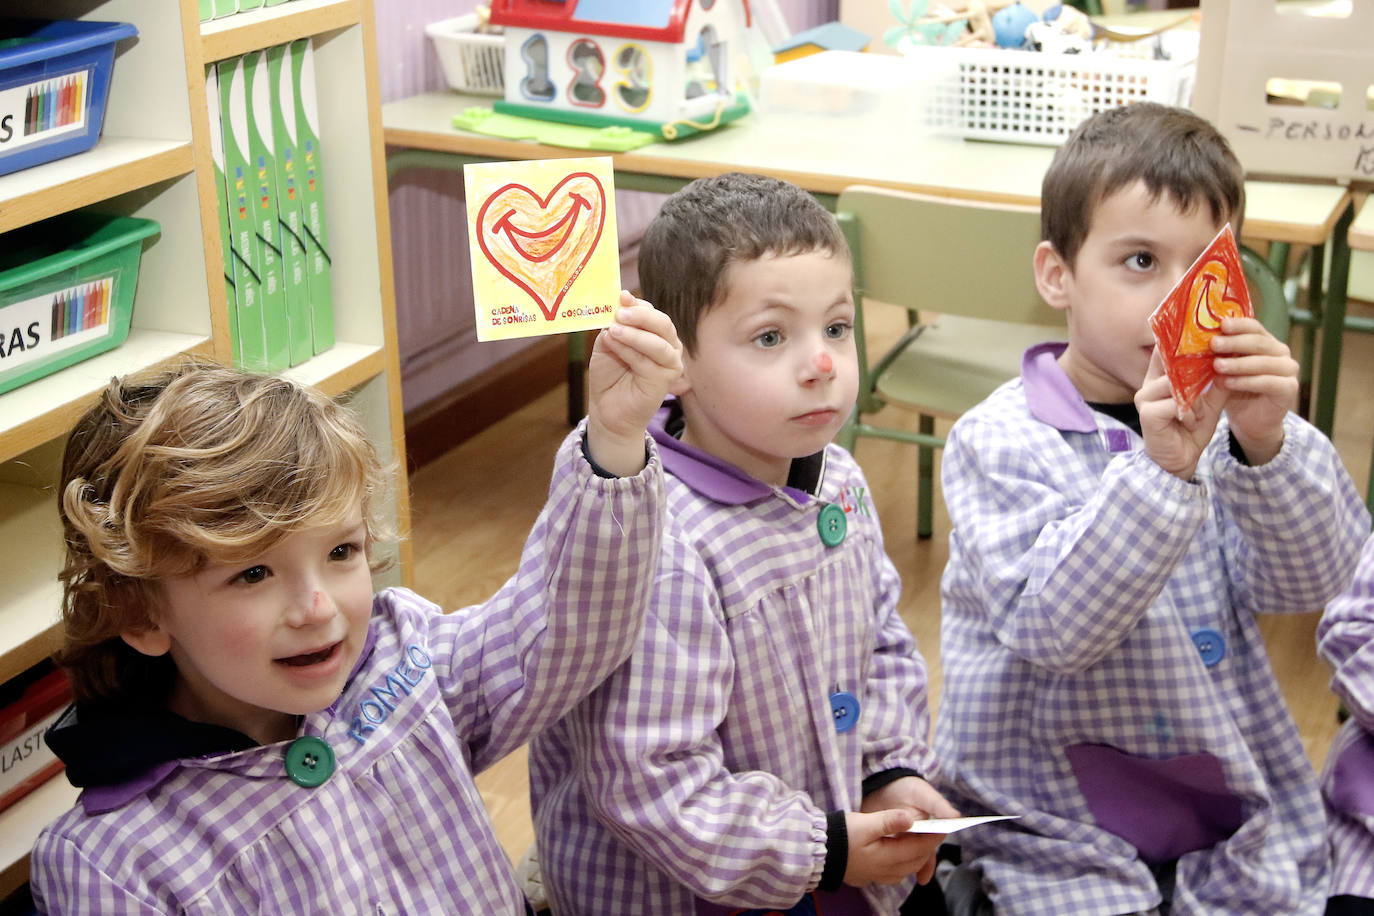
644	339
1155	394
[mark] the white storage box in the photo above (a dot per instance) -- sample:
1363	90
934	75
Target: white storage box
840	84
1252	46
472	60
1036	97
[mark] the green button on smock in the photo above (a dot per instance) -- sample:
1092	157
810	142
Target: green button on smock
831	524
309	761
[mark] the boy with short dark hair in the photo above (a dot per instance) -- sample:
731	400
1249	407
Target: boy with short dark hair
764	748
1105	678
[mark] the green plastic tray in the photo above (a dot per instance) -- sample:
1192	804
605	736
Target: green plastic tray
66	291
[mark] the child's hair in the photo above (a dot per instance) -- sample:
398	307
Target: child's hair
715	222
177	467
1172	150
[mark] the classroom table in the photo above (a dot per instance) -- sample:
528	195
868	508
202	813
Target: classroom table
826	154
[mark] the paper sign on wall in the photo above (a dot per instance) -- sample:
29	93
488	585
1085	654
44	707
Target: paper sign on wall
545	257
1191	314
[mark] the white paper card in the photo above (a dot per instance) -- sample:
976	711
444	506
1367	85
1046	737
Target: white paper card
955	824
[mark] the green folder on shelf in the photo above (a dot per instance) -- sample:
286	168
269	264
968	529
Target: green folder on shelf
290	222
310	187
244	250
263	205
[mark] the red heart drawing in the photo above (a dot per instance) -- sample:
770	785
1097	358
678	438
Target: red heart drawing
1213	288
542	244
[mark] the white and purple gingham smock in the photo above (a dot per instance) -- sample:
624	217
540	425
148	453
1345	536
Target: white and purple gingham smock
1094	604
399	827
1345	638
705	766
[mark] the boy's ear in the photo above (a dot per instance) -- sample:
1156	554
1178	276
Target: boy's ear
152	641
1052	275
681	385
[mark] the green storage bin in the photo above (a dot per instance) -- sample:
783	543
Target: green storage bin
66	291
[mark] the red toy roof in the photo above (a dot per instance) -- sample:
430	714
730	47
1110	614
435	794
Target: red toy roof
646	20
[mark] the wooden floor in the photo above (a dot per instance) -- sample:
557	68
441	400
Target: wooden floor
473	507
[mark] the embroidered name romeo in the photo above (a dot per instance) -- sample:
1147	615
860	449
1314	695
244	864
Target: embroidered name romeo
397	683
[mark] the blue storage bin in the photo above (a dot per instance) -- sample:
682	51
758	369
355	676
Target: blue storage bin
54	79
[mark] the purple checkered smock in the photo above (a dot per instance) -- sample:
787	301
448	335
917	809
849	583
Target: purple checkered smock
399	827
1345	638
706	765
1104	676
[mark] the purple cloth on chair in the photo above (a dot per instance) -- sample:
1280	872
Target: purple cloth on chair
1352	778
1164	808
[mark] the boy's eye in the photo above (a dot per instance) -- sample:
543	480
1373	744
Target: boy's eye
839	330
768	338
343	552
252	575
1141	260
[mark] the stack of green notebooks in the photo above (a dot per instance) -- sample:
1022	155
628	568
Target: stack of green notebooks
217	9
267	163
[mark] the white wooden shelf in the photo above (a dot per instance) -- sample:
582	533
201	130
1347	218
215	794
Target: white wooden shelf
32	536
115	166
45	409
23	820
274	25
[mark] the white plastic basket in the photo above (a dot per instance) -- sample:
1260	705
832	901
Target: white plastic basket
1035	97
472	61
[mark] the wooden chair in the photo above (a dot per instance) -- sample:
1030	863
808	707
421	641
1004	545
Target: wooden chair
969	266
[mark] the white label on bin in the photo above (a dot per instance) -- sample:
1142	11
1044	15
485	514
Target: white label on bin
26	754
44	109
60	320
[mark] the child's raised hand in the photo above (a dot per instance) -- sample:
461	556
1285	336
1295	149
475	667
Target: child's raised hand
1175	443
1261	376
882	852
633	362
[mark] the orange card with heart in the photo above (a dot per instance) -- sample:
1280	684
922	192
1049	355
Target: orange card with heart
545	258
1190	315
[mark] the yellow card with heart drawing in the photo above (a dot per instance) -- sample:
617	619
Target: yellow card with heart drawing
545	258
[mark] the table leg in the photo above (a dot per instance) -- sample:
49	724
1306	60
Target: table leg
1333	324
1316	281
577	376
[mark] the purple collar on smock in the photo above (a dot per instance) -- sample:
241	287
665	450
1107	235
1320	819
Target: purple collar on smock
100	799
1050	396
713	477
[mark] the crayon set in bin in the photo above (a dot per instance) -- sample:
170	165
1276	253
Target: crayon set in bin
82	308
54	104
271	200
54	81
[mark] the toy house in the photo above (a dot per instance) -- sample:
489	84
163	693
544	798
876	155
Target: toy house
668	65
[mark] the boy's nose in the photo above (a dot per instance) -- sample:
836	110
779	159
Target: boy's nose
821	365
314	606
